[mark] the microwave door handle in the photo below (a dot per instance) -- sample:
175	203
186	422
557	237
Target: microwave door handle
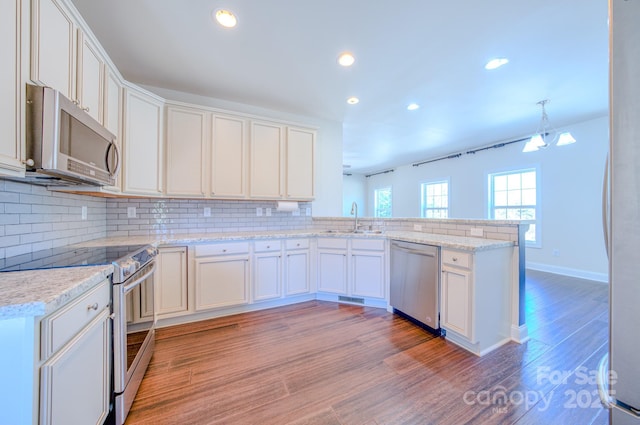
115	171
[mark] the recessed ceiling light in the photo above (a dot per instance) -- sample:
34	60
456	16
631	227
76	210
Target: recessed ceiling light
496	63
346	59
353	100
226	18
413	106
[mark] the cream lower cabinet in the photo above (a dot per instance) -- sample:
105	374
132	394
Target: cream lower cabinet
267	270
368	269
332	265
353	267
171	285
475	308
297	267
75	382
221	275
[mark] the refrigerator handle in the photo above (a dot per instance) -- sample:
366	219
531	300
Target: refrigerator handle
602	380
605	205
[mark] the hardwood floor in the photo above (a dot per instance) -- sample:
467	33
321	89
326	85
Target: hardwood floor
324	363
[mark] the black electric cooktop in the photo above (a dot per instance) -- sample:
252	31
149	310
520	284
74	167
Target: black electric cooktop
67	257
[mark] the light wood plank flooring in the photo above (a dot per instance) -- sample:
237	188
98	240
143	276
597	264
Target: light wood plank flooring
335	364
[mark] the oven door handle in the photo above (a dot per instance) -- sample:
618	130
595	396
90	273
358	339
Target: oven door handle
128	287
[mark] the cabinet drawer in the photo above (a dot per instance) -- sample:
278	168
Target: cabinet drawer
368	244
62	325
456	258
222	249
267	246
297	244
332	243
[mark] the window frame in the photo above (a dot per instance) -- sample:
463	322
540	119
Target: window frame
538	208
375	201
423	195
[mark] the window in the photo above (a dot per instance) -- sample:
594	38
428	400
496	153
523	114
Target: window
435	199
383	202
513	196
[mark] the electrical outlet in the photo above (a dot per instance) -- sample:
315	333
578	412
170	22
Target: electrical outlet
296	212
131	212
258	212
555	252
207	212
268	212
417	227
308	212
84	212
476	231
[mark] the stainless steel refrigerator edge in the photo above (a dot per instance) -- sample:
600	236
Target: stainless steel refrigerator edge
620	382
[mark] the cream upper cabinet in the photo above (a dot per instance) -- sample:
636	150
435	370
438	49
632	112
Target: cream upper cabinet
63	57
300	163
228	157
11	86
53	47
90	78
186	143
265	173
142	156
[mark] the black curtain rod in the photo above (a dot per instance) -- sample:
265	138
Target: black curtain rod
381	172
472	151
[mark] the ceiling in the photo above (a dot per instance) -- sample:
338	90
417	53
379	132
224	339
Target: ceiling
283	56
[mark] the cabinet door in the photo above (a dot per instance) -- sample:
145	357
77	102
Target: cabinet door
332	272
297	270
186	142
11	87
142	144
221	281
456	309
53	44
266	161
300	163
228	157
267	276
171	281
367	274
75	383
90	78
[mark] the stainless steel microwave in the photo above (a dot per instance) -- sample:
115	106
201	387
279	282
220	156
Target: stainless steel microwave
64	144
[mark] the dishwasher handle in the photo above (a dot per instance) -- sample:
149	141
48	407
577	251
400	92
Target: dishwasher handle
417	251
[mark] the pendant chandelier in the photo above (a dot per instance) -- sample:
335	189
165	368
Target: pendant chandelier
545	135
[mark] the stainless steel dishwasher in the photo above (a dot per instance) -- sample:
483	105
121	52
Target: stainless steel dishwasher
415	282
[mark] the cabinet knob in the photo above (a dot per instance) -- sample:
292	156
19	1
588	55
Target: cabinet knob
455	258
268	246
93	306
224	250
86	109
297	244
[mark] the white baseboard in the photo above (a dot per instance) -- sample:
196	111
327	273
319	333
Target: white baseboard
520	334
566	271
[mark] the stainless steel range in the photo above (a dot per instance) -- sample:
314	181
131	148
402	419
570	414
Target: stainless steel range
134	321
133	310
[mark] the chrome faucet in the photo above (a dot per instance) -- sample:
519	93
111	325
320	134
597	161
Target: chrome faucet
354	211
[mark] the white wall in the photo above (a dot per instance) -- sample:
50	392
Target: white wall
570	206
328	175
354	189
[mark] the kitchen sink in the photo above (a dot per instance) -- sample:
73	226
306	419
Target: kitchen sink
347	232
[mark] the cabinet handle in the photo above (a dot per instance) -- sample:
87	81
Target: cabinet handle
455	259
297	244
268	246
224	250
93	306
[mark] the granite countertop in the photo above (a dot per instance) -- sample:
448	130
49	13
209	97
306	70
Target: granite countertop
39	292
447	241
